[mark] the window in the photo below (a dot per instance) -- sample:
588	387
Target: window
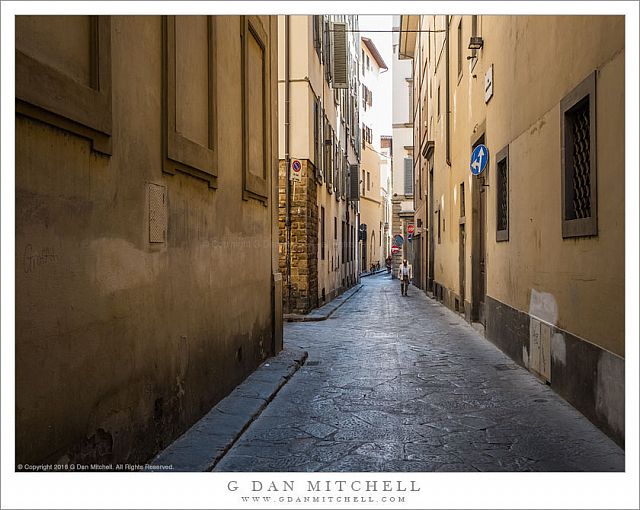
256	118
439	225
362	62
462	204
353	243
368	63
317	35
56	85
408	176
368	181
410	85
317	138
335	227
438	102
578	160
363	182
474	32
328	155
460	49
344	244
502	195
322	239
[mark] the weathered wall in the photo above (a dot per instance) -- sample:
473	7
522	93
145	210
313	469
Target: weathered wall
121	343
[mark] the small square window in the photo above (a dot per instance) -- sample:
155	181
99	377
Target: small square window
578	160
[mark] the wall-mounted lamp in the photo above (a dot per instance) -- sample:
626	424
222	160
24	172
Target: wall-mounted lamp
475	43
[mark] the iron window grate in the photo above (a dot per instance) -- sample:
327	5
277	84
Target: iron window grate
503	196
581	178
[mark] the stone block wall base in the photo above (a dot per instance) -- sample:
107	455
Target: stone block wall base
300	288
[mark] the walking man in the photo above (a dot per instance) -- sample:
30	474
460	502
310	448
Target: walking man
405	274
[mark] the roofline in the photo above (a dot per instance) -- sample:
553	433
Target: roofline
407	41
374	53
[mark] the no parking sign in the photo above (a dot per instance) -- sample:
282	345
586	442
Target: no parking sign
296	170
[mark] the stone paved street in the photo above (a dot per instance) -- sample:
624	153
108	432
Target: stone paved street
403	384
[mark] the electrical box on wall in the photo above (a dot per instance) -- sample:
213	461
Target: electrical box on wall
157	213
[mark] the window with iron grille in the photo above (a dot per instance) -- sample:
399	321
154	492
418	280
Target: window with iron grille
578	128
502	195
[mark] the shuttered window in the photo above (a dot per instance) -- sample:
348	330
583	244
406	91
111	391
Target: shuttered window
339	66
408	176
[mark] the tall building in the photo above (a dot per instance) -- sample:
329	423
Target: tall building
372	207
319	129
402	123
519	136
386	188
147	282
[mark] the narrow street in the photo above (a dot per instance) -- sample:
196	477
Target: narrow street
403	384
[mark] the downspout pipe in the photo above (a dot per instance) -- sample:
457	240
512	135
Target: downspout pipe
287	155
447	100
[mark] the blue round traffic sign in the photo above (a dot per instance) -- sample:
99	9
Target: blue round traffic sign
398	240
479	159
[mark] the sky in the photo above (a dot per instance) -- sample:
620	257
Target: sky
383	42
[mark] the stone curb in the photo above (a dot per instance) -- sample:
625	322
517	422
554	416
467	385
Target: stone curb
202	446
324	312
364	275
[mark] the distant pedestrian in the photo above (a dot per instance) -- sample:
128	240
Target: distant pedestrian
405	274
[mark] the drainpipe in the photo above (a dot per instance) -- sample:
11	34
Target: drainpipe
287	156
447	103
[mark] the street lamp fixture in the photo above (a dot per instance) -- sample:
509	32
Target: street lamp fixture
475	43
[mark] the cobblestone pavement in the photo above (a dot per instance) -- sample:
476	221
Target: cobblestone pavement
398	383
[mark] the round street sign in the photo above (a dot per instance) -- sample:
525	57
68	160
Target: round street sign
398	240
479	159
410	229
296	165
395	249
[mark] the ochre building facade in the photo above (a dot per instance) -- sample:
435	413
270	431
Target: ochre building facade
318	104
533	247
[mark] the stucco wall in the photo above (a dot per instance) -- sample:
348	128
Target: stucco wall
122	344
583	277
